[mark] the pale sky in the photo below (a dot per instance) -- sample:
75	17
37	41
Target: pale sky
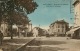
49	11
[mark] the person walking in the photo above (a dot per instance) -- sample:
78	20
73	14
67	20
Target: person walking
1	38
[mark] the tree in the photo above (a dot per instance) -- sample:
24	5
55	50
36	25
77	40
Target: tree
9	7
20	19
29	5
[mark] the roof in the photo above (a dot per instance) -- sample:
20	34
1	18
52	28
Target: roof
60	21
72	30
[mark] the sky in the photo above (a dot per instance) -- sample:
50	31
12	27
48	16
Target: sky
48	11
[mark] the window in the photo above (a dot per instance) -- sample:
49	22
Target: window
62	26
58	30
62	30
2	28
58	26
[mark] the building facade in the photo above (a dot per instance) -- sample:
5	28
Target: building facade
59	28
16	29
4	28
38	32
75	31
35	32
24	30
76	13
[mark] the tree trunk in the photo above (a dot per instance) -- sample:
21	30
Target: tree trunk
11	32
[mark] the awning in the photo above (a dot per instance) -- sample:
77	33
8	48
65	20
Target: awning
72	30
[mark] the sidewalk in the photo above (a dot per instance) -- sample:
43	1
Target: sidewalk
5	38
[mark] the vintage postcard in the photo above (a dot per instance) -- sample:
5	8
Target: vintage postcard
39	25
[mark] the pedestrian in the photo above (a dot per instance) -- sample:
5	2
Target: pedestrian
68	38
1	38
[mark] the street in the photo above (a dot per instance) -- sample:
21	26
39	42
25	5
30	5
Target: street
66	45
57	44
46	44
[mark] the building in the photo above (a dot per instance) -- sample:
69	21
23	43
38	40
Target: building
75	31
77	13
24	29
35	31
29	27
4	28
38	32
17	29
59	28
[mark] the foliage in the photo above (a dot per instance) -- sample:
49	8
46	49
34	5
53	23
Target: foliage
12	11
29	5
8	7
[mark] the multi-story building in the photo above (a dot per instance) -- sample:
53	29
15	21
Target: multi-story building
59	28
77	12
75	31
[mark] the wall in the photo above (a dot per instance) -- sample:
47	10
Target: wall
77	14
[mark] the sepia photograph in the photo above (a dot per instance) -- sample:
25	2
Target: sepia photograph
39	25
